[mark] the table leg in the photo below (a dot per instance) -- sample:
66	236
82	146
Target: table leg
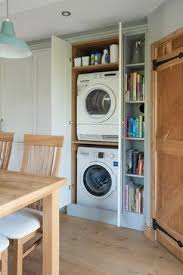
51	235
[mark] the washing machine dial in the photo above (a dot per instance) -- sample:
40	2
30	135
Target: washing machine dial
111	156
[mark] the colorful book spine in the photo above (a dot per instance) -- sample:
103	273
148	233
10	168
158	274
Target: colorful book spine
134	87
135	127
127	197
140	125
134	198
134	162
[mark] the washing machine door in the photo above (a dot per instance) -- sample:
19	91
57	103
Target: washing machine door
98	180
99	103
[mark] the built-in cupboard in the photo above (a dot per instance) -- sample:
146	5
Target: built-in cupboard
44	88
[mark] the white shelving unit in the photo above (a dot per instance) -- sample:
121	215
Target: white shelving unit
130	218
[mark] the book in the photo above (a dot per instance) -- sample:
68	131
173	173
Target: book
135	126
134	87
134	162
134	198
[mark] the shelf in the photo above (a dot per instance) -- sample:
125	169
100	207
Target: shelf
135	176
134	101
96	68
133	213
135	139
137	65
101	143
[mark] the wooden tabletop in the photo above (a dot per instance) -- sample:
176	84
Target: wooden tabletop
19	190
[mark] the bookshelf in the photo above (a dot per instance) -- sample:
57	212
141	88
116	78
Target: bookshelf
134	129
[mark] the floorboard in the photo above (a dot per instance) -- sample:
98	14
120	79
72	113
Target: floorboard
90	248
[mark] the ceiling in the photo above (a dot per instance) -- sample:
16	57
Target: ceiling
38	19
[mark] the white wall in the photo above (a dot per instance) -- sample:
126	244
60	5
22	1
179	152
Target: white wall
165	19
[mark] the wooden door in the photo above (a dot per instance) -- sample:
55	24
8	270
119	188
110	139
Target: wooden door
168	150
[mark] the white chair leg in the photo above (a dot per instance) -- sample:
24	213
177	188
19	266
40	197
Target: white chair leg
18	257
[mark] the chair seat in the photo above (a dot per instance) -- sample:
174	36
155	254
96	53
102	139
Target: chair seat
20	224
4	243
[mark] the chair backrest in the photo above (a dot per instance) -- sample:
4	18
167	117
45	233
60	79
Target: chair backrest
42	155
6	140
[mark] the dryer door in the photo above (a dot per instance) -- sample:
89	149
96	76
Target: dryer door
98	180
99	103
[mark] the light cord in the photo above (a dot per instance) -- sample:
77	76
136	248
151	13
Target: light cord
7	9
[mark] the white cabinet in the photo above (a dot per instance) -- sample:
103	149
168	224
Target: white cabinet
42	91
61	68
17	97
35	97
16	103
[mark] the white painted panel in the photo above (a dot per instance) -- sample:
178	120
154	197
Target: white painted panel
65	196
61	68
16	156
42	91
120	134
17	97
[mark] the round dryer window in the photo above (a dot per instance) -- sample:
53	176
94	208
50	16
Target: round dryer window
97	181
100	103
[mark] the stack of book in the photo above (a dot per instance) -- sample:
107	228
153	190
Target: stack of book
135	127
134	87
135	162
134	198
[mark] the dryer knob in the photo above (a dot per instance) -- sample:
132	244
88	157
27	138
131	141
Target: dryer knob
111	156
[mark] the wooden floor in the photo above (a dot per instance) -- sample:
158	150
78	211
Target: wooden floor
89	248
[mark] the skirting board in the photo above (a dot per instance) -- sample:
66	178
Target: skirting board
129	220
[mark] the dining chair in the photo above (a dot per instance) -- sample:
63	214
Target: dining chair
4	243
6	140
42	156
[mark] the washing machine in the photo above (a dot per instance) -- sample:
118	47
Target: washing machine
97	172
97	106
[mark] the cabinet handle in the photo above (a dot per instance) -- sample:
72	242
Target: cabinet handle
70	122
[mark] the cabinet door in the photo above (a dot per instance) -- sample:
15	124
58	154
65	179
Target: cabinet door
61	68
17	97
17	104
42	91
120	139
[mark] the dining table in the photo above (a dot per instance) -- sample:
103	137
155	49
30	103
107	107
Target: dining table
18	190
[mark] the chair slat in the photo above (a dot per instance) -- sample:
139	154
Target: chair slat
42	156
6	140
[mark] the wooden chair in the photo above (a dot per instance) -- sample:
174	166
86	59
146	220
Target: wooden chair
42	156
4	243
6	140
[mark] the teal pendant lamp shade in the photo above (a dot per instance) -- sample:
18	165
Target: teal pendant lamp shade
10	45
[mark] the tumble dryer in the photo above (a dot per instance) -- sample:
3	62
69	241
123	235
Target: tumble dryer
97	106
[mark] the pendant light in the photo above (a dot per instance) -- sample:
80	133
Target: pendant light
10	45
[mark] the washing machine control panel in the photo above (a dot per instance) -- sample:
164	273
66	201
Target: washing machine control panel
100	155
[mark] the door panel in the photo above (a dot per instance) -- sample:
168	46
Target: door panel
42	91
169	155
17	97
61	69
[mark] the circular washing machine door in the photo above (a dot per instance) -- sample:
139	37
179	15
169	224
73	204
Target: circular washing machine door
98	180
99	103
